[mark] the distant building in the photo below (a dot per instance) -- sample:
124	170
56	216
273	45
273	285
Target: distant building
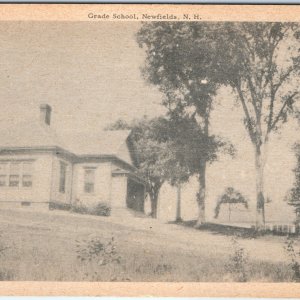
39	167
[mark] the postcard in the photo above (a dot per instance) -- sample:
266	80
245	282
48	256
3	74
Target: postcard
150	150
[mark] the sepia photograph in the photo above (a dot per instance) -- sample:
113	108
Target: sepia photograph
158	148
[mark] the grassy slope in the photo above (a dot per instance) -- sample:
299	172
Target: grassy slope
43	247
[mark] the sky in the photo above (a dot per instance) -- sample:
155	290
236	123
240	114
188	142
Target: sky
89	72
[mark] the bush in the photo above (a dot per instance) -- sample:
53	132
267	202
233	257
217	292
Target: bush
238	262
59	206
294	257
79	208
101	253
101	209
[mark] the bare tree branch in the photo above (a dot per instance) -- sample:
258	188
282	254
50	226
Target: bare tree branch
276	120
283	78
273	90
272	48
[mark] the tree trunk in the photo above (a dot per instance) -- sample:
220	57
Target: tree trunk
201	195
178	207
260	200
154	200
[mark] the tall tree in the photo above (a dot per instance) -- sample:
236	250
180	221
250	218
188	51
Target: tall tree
178	69
158	156
259	61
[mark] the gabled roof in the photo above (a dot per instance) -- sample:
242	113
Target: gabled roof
37	135
98	143
29	135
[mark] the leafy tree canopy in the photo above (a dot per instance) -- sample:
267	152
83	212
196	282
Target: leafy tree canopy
188	61
230	196
260	61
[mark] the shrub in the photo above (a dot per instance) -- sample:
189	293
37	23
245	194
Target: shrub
238	262
294	258
79	208
59	206
100	253
103	253
102	209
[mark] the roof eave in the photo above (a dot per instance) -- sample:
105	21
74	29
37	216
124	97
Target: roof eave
59	150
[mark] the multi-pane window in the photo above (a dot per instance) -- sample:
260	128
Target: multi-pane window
27	174
16	173
62	179
89	180
3	174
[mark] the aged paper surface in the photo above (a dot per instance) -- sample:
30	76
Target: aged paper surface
150	150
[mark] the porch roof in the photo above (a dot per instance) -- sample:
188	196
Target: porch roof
131	175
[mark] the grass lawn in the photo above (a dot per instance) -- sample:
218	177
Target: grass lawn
45	246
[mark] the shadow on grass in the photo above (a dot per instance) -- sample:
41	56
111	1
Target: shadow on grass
220	229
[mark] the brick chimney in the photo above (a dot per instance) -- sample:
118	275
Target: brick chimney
45	114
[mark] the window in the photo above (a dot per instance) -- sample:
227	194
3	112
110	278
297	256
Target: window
89	180
62	180
27	174
3	174
14	174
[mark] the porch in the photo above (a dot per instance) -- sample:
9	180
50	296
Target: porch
127	194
